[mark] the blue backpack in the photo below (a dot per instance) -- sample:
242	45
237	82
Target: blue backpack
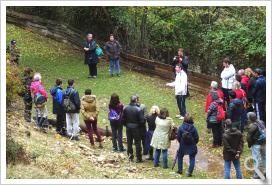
113	115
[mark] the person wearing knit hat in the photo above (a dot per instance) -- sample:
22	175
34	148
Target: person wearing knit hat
255	143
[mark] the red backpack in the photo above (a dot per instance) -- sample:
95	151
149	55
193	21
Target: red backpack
220	113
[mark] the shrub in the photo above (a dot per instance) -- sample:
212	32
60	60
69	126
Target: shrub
13	83
15	153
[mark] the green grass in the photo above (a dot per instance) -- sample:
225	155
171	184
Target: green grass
58	60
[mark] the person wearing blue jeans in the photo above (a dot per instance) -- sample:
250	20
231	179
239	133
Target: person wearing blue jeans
114	63
257	145
191	163
232	149
164	157
227	168
187	145
113	50
160	140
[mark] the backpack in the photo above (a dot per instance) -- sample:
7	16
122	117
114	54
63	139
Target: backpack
187	137
98	51
261	129
220	113
113	115
68	105
173	133
39	99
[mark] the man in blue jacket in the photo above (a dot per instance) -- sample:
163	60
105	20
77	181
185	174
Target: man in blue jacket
235	110
57	94
259	94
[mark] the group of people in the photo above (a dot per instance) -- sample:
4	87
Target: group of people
240	100
150	140
238	103
112	49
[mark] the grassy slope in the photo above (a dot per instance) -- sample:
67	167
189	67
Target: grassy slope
57	60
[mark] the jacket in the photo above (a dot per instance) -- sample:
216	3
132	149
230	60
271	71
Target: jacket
113	49
180	83
259	89
245	81
151	121
160	138
132	116
90	55
228	76
235	110
183	148
184	61
254	133
37	85
89	107
209	99
74	97
232	142
240	93
57	94
26	92
251	84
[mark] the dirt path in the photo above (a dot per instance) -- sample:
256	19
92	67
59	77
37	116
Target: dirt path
205	161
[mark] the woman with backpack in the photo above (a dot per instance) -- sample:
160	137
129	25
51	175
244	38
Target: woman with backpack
215	116
151	118
115	115
40	99
187	137
89	110
160	140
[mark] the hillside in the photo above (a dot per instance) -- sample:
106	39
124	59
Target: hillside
49	156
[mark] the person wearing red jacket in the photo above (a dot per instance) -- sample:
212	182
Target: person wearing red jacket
40	96
245	78
214	87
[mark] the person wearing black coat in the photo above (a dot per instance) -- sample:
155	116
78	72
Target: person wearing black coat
259	94
72	119
235	110
90	56
58	109
27	78
232	149
132	119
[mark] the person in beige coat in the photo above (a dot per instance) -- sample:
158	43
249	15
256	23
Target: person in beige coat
89	111
160	140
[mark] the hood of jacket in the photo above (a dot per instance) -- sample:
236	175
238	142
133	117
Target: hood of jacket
54	90
89	98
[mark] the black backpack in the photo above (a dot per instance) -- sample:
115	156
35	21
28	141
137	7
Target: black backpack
187	137
68	104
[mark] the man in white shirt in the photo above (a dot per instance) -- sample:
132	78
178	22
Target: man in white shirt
180	85
228	77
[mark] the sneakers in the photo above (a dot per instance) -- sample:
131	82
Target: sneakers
179	172
139	161
111	75
76	138
122	150
90	76
118	75
114	149
181	118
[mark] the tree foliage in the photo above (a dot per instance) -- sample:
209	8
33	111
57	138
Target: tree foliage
207	34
